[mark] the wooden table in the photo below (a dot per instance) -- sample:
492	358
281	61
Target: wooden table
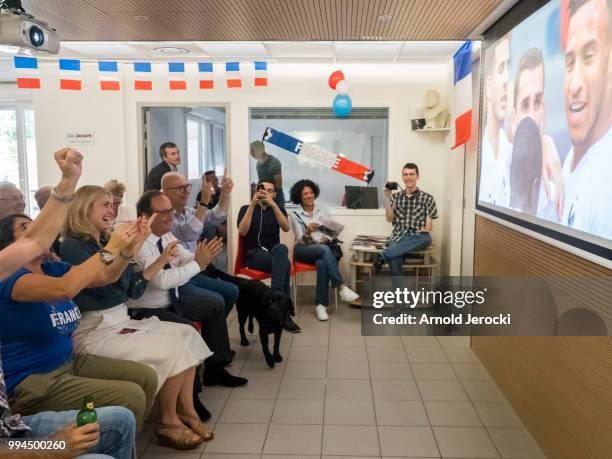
363	259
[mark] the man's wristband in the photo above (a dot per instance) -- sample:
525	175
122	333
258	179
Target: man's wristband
202	204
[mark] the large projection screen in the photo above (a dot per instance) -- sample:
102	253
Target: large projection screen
546	137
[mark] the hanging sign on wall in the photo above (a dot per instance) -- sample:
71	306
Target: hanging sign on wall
80	138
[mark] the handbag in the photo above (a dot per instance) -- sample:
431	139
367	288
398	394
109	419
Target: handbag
335	245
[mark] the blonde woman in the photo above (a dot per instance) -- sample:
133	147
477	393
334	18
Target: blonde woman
172	350
123	213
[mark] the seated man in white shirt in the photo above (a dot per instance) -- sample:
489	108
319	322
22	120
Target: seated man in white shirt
163	295
189	224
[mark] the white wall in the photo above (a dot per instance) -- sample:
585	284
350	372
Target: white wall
116	119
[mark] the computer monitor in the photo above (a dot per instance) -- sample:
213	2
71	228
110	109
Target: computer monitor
361	197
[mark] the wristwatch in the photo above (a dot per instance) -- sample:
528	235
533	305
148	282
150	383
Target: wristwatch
203	205
106	257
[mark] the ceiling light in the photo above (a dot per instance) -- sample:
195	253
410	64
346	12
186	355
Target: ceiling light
170	50
384	18
141	18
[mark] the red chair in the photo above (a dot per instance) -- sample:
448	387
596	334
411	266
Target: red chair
240	268
299	267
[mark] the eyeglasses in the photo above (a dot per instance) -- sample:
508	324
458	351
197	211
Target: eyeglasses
182	188
117	204
164	213
13	198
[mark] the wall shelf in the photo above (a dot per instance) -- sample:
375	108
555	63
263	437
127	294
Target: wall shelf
431	130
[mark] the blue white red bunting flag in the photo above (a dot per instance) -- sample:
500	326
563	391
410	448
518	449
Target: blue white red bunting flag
232	69
27	72
462	61
261	73
109	75
70	74
142	76
177	76
206	75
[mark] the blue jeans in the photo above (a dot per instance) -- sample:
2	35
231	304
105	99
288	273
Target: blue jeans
327	268
276	262
395	250
227	290
117	429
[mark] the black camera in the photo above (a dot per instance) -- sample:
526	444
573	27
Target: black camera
261	187
391	186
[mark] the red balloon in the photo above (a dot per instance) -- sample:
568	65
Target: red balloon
335	77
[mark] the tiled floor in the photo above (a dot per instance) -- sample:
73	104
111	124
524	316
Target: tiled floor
338	394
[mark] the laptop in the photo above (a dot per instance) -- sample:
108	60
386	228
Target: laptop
361	197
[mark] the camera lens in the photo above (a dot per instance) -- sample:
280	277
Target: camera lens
37	36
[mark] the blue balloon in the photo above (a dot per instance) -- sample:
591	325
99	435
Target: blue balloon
342	105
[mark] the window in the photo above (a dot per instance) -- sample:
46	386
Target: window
194	152
18	150
362	137
205	146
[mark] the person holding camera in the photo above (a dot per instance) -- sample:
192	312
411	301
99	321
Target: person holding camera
259	223
411	211
313	245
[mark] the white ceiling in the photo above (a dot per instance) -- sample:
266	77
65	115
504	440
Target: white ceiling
282	52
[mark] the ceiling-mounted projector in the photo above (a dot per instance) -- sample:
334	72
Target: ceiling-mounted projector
24	31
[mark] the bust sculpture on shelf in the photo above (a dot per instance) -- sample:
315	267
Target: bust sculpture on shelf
436	115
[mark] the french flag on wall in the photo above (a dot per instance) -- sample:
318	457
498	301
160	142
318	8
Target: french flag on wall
109	75
261	73
232	69
206	75
27	72
177	76
70	74
462	61
142	72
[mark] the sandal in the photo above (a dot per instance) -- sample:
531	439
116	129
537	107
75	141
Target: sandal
186	438
198	427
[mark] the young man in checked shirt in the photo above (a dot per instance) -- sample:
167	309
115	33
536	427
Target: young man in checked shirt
411	213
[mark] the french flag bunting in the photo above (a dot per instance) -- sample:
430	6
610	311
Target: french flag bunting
232	69
109	75
206	75
462	61
261	73
70	74
27	72
177	76
142	76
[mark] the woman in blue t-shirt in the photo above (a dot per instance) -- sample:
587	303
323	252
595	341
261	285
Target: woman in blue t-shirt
37	318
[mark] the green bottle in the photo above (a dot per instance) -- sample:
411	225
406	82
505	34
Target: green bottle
87	415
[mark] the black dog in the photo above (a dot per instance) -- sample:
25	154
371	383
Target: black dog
269	307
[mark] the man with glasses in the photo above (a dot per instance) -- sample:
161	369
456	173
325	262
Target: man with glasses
161	299
11	200
171	158
189	222
188	226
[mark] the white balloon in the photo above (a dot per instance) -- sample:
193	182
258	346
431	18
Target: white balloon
342	88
